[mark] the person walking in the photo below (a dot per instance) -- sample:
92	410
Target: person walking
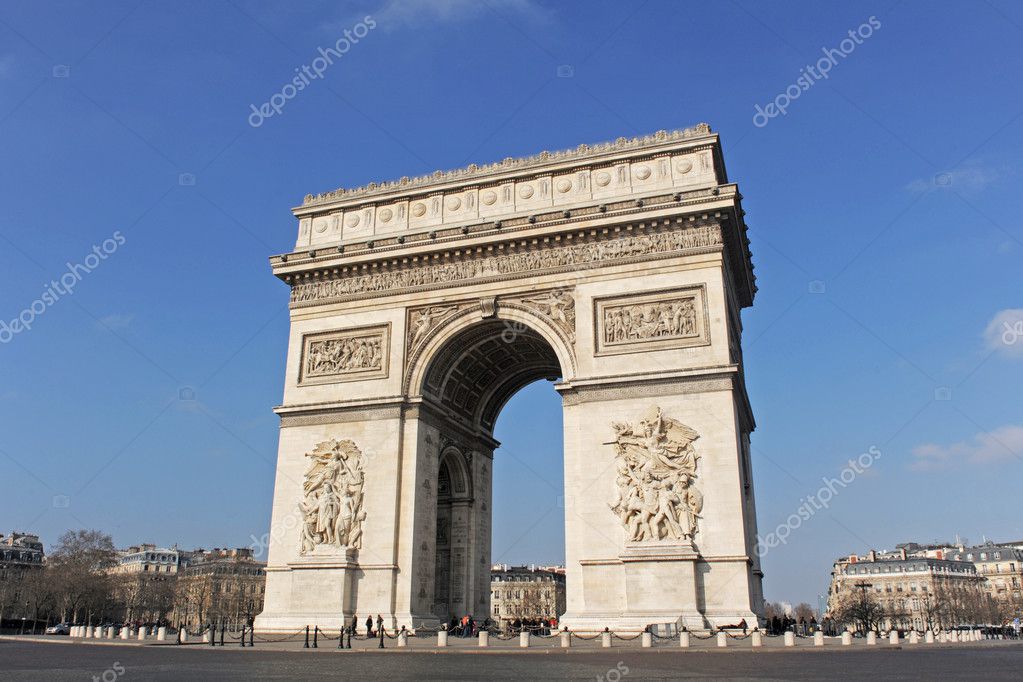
380	624
369	627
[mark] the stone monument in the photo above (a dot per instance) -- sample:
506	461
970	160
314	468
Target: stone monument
420	306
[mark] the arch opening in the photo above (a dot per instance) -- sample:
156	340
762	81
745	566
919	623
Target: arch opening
471	377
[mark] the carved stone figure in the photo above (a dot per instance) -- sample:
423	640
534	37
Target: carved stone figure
559	306
656	467
423	321
332	504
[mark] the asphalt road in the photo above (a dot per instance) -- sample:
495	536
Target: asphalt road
42	661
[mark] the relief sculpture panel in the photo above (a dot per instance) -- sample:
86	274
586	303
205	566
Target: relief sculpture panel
347	355
675	318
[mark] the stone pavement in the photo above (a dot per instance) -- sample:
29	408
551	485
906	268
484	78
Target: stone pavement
30	659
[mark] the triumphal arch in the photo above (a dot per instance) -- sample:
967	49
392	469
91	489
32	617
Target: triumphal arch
420	306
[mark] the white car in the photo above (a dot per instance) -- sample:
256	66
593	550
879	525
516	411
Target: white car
59	629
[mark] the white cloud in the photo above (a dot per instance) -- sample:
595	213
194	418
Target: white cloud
1004	333
971	177
987	447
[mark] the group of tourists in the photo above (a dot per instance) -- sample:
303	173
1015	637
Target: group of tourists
802	627
370	632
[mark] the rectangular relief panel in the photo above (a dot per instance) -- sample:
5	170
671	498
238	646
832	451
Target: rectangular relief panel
345	355
655	320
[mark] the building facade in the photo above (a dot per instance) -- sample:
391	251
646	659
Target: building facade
526	593
220	586
149	559
909	590
1001	567
19	551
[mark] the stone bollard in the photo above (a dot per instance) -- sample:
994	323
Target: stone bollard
893	637
790	638
524	639
722	640
206	635
605	639
442	638
846	638
484	638
871	638
111	632
403	638
647	640
818	638
914	638
142	633
929	637
683	639
161	634
87	633
184	635
125	633
756	639
566	639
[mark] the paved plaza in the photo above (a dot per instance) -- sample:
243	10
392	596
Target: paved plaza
38	659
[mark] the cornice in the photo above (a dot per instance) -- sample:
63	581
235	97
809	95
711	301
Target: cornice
487	172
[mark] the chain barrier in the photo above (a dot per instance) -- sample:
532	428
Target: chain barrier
712	635
737	636
288	638
626	639
585	638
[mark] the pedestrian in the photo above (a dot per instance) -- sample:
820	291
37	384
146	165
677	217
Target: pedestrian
380	624
742	624
369	627
354	627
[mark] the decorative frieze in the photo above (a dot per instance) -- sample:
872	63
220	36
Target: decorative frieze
673	318
345	355
557	305
542	259
332	497
655	495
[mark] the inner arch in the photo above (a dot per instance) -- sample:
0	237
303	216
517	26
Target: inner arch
474	374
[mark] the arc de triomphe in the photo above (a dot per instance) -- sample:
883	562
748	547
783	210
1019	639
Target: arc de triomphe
418	307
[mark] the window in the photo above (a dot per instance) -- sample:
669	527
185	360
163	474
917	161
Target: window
497	610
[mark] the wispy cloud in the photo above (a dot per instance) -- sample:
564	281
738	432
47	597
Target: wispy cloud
395	14
1004	333
987	447
971	177
115	322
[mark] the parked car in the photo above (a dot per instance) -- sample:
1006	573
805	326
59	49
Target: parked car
59	629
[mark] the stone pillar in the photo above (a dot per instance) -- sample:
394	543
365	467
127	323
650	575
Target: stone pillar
484	638
929	637
846	638
790	638
566	639
722	640
871	638
893	637
683	640
442	638
647	640
756	639
161	634
111	632
605	639
524	639
184	635
142	633
914	638
818	638
125	632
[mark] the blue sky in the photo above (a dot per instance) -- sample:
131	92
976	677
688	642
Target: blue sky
884	211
